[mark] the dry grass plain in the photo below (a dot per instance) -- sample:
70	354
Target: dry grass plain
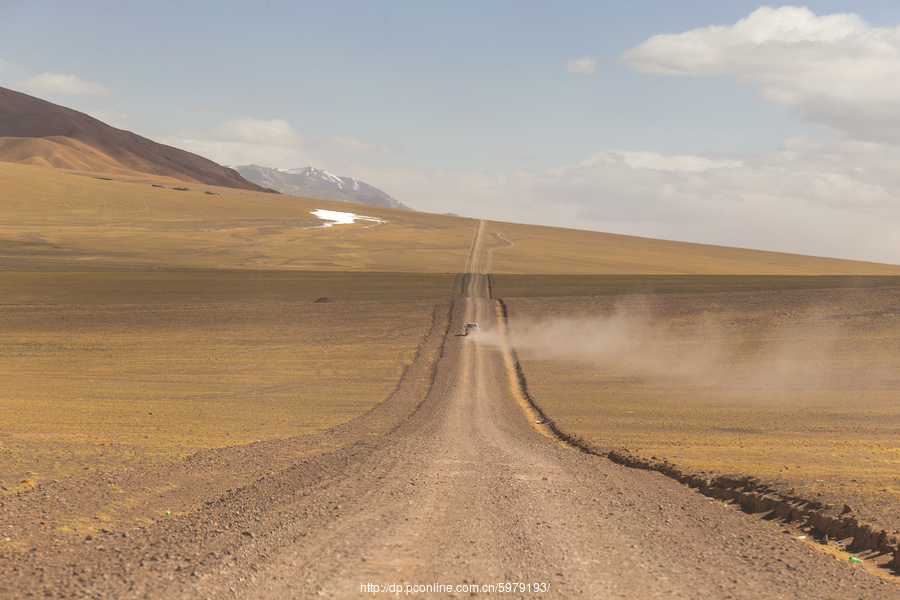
142	323
51	217
533	249
121	297
110	368
798	387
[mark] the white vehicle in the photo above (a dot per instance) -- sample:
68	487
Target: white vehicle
471	328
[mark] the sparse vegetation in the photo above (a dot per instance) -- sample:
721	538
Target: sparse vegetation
49	217
109	368
544	250
546	285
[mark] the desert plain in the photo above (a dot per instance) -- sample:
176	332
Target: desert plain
167	349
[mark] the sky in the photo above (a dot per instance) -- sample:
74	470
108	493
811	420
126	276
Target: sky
734	123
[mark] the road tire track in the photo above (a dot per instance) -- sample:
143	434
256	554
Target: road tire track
474	258
490	253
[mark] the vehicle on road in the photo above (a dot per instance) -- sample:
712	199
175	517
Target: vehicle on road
471	328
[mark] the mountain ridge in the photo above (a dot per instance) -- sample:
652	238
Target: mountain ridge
310	182
75	140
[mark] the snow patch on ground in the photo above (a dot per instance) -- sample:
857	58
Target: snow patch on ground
333	217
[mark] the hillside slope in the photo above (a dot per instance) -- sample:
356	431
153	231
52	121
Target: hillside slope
51	217
65	138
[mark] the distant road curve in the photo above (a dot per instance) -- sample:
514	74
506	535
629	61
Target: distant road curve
490	253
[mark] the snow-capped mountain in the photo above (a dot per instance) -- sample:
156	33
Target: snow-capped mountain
316	183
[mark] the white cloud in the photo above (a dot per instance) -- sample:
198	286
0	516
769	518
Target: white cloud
653	161
349	145
586	65
835	69
276	132
271	143
243	153
113	117
61	83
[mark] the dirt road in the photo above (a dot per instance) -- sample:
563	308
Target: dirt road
475	252
464	493
467	493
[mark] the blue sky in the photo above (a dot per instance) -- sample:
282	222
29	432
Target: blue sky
763	126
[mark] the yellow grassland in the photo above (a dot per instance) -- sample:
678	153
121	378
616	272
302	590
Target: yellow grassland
535	286
540	249
79	285
121	297
105	369
52	216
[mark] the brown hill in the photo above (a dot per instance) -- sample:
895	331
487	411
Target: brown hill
61	153
37	132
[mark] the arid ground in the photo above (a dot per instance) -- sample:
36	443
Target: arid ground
797	388
197	403
104	369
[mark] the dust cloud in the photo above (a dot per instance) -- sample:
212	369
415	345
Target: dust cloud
723	351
